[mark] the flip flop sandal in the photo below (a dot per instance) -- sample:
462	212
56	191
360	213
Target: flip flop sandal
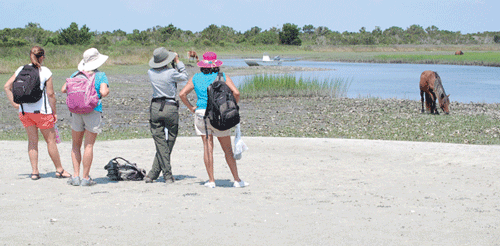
59	175
35	176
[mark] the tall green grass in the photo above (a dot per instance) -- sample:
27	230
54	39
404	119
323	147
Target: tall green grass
266	85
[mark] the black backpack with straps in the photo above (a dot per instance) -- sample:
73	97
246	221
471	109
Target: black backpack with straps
124	171
26	86
222	109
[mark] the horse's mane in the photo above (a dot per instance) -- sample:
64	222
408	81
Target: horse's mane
438	86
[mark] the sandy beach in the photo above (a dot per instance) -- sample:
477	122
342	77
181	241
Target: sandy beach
302	192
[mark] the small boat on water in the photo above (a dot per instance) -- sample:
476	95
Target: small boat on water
265	61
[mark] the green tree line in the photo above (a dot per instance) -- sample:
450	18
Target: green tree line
213	35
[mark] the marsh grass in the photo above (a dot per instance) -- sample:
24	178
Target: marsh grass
469	58
66	56
287	85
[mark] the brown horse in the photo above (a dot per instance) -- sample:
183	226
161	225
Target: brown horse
192	54
431	86
459	52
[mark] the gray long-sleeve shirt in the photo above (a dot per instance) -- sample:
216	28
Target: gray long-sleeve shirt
164	81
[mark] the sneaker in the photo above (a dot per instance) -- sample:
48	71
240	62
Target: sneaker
210	184
75	181
87	182
240	184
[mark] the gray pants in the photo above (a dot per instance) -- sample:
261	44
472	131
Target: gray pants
161	118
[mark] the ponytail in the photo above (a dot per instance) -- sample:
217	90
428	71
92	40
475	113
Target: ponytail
36	54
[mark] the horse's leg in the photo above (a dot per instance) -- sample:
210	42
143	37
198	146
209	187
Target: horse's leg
433	103
427	101
422	99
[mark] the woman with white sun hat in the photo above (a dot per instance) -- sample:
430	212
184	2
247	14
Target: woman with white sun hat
87	125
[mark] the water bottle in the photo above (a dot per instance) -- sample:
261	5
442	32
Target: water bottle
58	138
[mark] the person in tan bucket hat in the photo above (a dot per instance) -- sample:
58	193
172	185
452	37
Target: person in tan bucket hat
166	72
87	125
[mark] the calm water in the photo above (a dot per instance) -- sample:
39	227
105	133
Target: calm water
463	83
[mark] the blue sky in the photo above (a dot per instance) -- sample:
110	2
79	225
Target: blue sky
466	16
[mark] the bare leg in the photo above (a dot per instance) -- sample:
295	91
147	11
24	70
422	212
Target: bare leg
208	157
76	154
88	153
50	139
225	143
32	132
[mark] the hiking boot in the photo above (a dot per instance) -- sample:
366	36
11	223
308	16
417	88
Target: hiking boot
148	179
170	180
75	181
87	182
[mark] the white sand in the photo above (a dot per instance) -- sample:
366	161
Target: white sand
302	192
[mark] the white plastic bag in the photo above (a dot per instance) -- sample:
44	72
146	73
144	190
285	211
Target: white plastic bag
239	145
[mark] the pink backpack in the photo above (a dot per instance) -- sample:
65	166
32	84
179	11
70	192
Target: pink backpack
82	97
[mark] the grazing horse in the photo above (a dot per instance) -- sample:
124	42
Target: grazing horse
459	52
431	86
192	54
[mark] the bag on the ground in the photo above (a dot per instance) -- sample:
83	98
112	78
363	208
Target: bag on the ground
26	86
222	109
82	97
239	145
124	171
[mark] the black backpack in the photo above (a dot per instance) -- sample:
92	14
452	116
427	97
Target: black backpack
26	86
124	171
222	109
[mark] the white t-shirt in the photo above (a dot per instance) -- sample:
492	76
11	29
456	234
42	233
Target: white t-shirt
45	75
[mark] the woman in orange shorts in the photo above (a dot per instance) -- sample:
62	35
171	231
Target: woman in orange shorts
39	115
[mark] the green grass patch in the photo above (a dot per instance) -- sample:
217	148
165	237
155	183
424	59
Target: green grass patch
266	85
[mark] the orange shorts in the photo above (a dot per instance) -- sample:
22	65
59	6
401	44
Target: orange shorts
42	121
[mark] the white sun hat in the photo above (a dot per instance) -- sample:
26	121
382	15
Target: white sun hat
92	59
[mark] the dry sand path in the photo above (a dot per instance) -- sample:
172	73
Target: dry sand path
302	192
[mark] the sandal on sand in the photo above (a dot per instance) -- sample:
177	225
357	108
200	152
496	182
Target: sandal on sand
35	176
60	174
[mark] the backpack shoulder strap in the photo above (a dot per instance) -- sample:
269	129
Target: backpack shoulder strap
86	74
221	76
121	158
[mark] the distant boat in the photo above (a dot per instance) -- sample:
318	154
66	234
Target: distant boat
265	61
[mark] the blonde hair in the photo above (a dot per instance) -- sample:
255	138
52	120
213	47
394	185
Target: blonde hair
36	54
